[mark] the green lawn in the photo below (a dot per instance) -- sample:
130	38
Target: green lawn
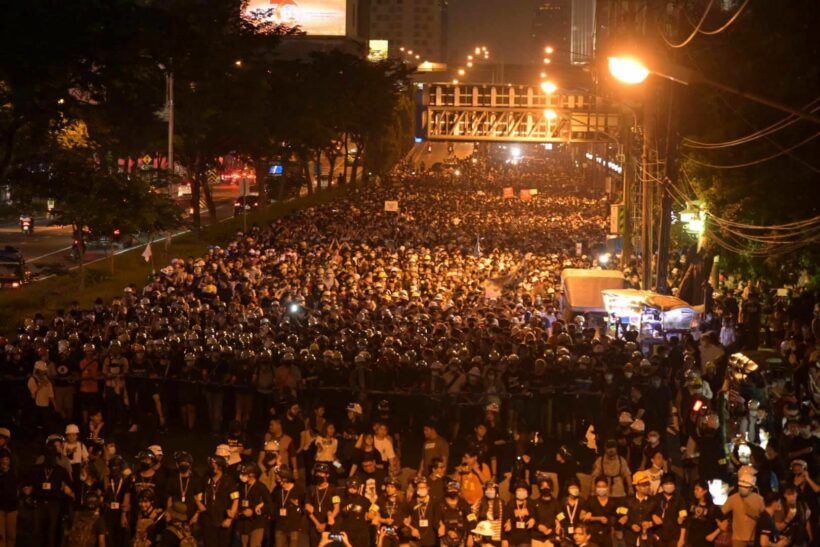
130	267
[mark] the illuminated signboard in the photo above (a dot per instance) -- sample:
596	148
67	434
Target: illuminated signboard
378	50
316	17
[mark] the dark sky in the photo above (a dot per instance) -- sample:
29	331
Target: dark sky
504	26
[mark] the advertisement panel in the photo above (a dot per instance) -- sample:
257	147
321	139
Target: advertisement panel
315	17
378	50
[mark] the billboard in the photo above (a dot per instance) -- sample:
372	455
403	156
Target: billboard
378	50
315	17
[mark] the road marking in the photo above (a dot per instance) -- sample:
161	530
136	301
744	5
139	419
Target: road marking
35	259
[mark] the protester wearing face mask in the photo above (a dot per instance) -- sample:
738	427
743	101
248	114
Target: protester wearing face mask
184	485
456	516
424	515
145	477
255	506
218	505
599	513
49	486
615	469
268	463
519	518
491	509
673	512
570	509
637	511
745	506
546	511
321	503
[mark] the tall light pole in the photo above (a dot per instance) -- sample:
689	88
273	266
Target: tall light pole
169	90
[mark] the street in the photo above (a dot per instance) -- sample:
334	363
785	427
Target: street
49	247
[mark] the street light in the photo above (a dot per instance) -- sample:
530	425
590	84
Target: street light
461	72
550	114
628	70
547	60
549	50
470	64
548	87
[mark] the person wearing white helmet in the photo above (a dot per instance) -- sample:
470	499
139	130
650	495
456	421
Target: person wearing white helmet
73	449
42	393
745	506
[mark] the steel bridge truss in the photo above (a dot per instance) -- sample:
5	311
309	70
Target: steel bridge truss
502	113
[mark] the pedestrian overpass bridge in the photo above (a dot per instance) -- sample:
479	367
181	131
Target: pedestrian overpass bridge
468	112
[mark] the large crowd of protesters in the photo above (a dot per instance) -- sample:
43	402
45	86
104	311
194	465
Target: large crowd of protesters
351	375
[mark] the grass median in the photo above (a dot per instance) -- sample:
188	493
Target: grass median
57	292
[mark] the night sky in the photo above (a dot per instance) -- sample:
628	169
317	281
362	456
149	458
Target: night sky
504	26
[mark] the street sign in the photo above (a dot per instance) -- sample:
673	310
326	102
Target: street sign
244	187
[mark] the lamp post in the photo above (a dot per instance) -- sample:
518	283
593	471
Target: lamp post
631	70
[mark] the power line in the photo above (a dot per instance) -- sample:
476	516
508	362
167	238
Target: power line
785	122
695	31
728	23
755	162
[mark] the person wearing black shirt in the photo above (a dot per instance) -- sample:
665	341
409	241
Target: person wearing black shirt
519	518
546	511
672	508
599	513
292	423
321	503
255	506
637	511
115	511
702	521
48	484
767	534
423	518
218	505
288	509
456	516
146	477
184	485
353	512
8	498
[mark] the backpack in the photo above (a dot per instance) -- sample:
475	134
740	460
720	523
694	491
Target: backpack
82	532
183	534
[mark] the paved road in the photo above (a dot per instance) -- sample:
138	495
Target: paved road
50	246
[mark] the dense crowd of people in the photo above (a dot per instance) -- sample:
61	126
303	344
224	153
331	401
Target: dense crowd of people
374	377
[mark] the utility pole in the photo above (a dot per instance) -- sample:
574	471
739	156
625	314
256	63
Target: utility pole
670	179
169	83
648	162
629	182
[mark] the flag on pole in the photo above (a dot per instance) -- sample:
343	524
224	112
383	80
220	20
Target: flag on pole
146	254
477	249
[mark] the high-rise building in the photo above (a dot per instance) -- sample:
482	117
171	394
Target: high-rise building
582	39
415	25
551	27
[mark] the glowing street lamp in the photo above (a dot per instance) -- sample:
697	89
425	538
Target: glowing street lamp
470	64
548	87
550	114
478	51
549	50
461	72
628	70
547	60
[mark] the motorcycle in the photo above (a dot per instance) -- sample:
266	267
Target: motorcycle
27	225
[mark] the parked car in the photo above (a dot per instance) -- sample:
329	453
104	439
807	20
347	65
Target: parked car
13	270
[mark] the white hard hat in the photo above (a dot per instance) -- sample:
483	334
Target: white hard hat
484	529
